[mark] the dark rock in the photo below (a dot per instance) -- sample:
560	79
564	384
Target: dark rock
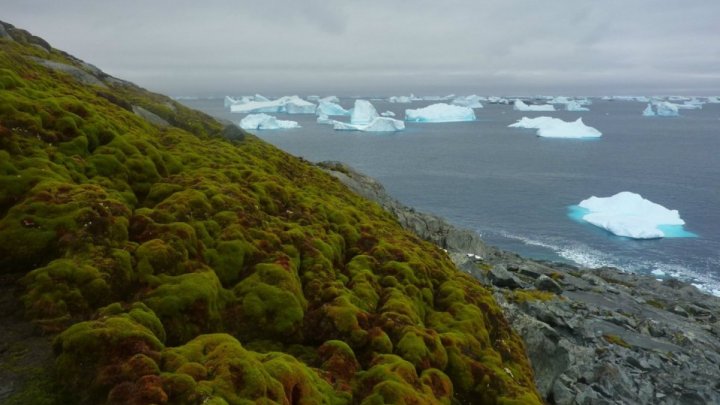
150	117
545	283
4	33
77	73
500	277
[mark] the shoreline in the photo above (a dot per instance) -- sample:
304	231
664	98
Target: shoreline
594	336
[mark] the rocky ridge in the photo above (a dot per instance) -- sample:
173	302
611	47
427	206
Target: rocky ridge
594	336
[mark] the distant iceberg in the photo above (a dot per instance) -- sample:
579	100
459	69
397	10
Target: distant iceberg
388	114
497	100
401	99
549	127
264	121
472	101
287	104
363	112
648	111
713	100
330	99
325	120
575	106
378	124
330	108
440	112
521	106
628	214
667	109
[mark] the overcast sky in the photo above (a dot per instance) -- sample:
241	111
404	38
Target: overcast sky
364	47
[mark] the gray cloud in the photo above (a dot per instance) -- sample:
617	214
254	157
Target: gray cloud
390	46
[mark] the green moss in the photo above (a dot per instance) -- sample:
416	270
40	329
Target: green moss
158	237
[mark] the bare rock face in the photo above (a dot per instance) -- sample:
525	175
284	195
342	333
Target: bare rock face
594	336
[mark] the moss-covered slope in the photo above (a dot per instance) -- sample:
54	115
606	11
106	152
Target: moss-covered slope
177	266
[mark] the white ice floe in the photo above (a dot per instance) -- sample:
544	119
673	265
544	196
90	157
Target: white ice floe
666	109
549	127
264	121
648	111
472	101
330	108
287	104
521	106
363	112
388	114
378	124
440	112
498	100
628	214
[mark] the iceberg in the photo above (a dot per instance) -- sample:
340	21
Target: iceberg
264	121
325	120
363	112
330	99
401	99
287	104
472	101
628	214
497	100
648	111
440	112
331	108
575	106
378	124
713	100
259	97
388	114
520	106
666	109
549	127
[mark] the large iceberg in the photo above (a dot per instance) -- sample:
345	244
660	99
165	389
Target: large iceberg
287	104
628	214
378	124
648	111
363	112
331	108
667	109
472	101
520	106
264	121
549	127
440	112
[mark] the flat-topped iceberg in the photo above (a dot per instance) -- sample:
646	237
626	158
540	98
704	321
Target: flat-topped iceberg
628	214
264	121
549	127
521	106
363	112
472	101
287	104
330	108
440	112
378	124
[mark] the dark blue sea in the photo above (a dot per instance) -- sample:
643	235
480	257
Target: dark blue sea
514	188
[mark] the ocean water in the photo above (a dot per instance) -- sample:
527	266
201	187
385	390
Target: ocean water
517	189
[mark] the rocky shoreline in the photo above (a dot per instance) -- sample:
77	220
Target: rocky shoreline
594	336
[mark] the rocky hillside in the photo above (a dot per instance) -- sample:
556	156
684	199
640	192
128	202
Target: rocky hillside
150	254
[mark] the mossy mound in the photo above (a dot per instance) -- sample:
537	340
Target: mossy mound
183	267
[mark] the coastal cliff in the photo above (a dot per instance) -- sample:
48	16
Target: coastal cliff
594	336
150	254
